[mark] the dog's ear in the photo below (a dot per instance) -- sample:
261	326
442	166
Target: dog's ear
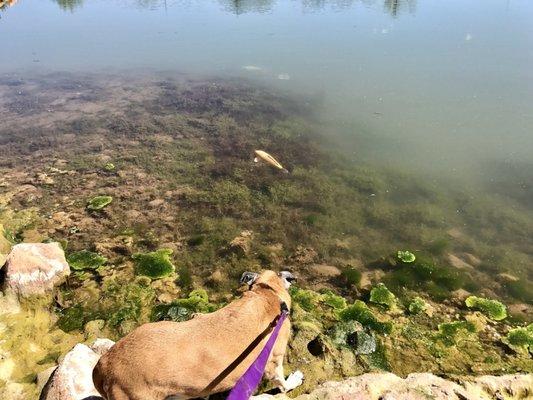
288	278
248	278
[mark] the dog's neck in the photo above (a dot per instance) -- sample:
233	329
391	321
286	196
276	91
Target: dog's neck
283	297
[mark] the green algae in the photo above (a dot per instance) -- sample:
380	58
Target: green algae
405	256
156	264
383	296
184	309
520	339
109	167
417	305
450	332
491	308
85	259
359	311
99	202
352	276
333	300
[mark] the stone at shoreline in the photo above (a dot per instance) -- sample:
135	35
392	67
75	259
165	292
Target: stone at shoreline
418	386
35	268
324	271
72	380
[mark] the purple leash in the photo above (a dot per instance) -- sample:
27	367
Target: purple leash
248	383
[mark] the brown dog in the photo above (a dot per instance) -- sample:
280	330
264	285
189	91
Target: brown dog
204	355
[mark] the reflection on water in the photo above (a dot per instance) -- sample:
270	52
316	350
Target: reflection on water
238	7
69	5
394	7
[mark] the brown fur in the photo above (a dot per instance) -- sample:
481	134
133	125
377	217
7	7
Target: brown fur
162	359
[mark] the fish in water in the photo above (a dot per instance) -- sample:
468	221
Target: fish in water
261	155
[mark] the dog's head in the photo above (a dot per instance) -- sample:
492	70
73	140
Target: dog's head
279	282
268	277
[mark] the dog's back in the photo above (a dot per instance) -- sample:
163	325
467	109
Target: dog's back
167	358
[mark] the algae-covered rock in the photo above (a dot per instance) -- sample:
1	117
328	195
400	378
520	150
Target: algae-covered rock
184	309
491	308
450	331
35	268
85	259
360	312
381	295
334	301
341	332
520	339
352	276
99	202
405	256
155	264
417	306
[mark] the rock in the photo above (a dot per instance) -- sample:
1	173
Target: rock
325	271
521	310
216	277
241	244
471	259
35	268
458	262
459	296
368	278
156	203
304	255
507	278
365	343
72	379
43	377
418	386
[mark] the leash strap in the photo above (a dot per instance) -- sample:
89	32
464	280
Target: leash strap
248	383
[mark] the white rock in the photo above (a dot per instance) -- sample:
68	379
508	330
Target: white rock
35	268
73	378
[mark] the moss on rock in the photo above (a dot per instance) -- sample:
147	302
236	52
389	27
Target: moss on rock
99	202
156	264
359	311
383	296
520	339
85	259
491	308
417	305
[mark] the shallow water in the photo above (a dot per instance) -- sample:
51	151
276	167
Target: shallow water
405	125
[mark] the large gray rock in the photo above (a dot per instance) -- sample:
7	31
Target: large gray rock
72	380
35	268
420	386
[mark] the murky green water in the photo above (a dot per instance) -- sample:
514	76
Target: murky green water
405	125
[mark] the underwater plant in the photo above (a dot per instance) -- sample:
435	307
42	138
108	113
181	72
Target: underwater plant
352	276
449	331
155	264
381	295
405	256
85	259
417	306
520	339
491	308
183	309
109	167
360	312
334	301
99	202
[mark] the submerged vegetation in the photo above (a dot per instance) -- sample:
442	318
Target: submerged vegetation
192	212
491	308
99	202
